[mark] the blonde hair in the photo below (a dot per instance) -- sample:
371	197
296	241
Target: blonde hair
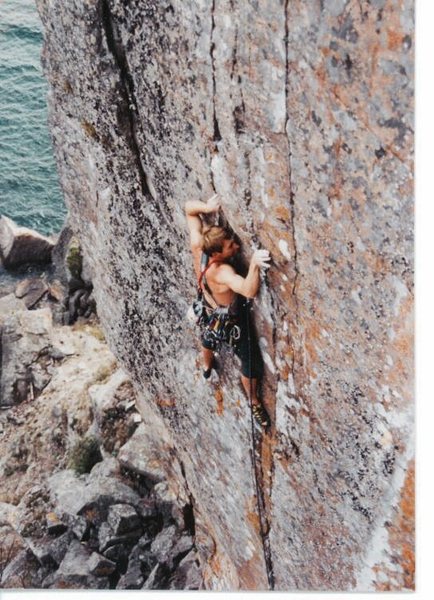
213	239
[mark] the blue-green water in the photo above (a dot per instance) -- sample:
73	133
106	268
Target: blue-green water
29	187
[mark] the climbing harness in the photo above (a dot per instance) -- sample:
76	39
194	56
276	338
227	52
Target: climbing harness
257	469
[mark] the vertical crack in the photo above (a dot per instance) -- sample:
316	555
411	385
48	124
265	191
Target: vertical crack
291	190
294	240
127	91
189	513
216	133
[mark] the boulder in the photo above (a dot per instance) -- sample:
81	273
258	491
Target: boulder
54	524
75	495
109	467
8	514
188	575
25	346
100	565
21	572
164	543
20	245
59	255
79	527
41	549
119	553
169	504
122	518
180	549
107	537
149	463
104	396
157	578
11	544
140	564
56	291
59	546
114	421
133	578
9	306
148	509
74	571
31	290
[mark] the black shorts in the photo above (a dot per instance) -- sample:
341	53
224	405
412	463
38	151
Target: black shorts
246	347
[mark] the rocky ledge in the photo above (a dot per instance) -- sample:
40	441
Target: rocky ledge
84	501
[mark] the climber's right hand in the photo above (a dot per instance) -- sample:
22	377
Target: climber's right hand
261	259
213	204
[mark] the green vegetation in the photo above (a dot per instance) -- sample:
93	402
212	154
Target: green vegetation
84	455
74	260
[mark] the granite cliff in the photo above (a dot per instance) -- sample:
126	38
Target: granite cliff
299	114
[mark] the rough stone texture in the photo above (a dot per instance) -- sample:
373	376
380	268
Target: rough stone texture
122	518
54	524
37	435
299	114
148	464
140	564
100	566
25	344
31	290
74	571
10	305
20	245
20	572
163	544
156	579
74	494
114	408
188	574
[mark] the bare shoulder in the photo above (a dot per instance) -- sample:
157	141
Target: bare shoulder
224	272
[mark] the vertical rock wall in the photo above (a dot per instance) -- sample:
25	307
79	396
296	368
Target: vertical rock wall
299	114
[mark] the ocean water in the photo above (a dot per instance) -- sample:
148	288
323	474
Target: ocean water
29	187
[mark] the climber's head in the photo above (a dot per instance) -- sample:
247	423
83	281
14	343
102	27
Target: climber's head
220	242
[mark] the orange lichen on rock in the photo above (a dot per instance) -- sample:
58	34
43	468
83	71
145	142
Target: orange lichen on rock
166	402
218	395
253	518
282	213
405	529
252	573
394	40
401	538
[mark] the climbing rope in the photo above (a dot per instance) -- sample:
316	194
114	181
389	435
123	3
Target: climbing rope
263	525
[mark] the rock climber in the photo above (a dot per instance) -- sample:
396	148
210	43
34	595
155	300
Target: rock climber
223	288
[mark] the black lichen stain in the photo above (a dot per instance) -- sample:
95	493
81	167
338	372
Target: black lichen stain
380	152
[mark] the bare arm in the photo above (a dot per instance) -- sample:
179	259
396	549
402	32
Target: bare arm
246	286
194	208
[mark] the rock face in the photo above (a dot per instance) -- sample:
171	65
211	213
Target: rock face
299	115
25	346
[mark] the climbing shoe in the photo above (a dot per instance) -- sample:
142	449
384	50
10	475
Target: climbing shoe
207	372
261	415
